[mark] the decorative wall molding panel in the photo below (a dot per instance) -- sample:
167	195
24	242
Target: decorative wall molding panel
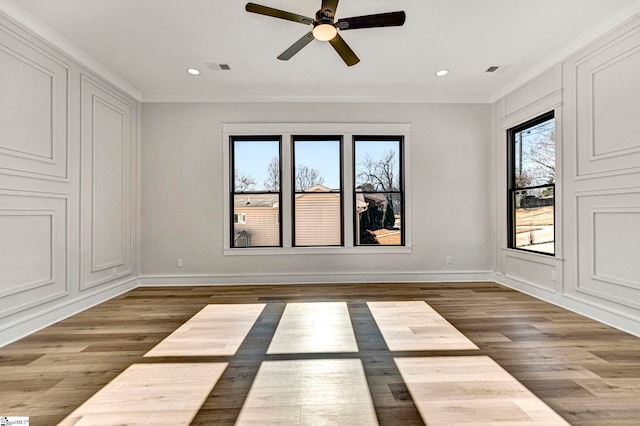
33	110
107	160
28	259
34	249
608	247
607	101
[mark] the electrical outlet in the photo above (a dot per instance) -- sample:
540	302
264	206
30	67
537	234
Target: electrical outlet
179	263
114	271
552	275
449	260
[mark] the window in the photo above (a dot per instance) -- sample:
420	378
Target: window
255	192
378	192
305	188
317	182
531	183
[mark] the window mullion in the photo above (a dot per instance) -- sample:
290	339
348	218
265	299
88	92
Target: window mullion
347	193
286	188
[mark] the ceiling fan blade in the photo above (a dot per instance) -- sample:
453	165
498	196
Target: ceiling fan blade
276	13
345	52
391	19
296	47
330	4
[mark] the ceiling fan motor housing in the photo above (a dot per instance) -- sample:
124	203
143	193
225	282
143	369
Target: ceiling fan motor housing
325	16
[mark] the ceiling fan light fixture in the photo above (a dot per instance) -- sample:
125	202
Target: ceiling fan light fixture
324	32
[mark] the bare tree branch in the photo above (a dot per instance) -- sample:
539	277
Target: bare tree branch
243	182
273	175
306	178
378	173
543	156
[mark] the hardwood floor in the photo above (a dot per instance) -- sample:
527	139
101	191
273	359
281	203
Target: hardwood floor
586	372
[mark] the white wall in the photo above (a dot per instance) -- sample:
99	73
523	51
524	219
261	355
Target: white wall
70	188
182	195
596	96
67	233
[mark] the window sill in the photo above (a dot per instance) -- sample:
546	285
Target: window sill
528	255
287	251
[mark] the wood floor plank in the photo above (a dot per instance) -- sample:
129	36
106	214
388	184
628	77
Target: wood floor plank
585	371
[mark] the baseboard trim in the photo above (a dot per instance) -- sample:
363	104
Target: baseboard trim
324	278
603	315
25	326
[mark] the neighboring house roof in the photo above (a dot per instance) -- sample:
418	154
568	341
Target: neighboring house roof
318	188
248	200
375	198
370	195
372	198
364	200
255	200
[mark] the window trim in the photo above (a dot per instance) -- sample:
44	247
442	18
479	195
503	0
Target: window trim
511	187
286	130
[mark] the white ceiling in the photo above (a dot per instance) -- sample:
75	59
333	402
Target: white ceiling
150	43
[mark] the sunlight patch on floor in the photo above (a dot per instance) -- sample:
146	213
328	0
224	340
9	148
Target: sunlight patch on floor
309	392
471	390
320	327
217	330
415	326
150	394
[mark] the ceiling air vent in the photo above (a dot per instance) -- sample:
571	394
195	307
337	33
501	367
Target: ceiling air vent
215	66
498	69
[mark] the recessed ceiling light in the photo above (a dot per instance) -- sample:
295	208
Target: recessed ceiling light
442	73
193	71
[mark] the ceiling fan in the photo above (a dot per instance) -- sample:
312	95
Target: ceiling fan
325	28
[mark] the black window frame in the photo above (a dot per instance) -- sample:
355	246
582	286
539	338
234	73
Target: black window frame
294	191
401	191
233	193
511	184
